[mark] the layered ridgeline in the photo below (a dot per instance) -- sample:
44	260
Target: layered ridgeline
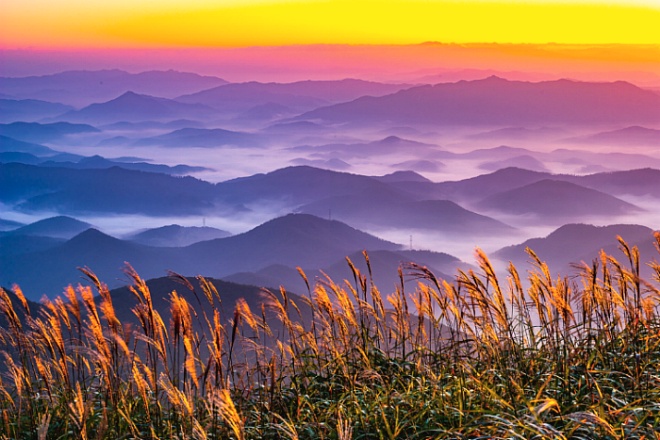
494	101
35	188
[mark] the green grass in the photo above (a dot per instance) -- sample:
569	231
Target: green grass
479	356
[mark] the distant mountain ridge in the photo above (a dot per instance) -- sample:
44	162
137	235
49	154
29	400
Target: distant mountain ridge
83	87
55	227
131	106
633	135
36	132
29	110
301	95
292	240
580	243
496	101
550	199
177	236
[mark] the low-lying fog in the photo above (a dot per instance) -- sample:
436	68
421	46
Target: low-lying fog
444	154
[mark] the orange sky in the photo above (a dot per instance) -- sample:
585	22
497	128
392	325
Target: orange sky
324	39
66	24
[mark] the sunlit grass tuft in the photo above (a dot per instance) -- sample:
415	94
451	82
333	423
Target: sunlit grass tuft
484	355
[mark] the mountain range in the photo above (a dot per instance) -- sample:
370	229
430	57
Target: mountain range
177	235
133	107
29	110
34	132
581	243
300	96
549	200
82	87
496	101
292	240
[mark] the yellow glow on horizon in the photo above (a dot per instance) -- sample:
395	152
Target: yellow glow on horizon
206	23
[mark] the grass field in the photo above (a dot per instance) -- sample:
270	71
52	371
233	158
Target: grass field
483	355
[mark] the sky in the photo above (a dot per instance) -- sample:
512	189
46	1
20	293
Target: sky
96	24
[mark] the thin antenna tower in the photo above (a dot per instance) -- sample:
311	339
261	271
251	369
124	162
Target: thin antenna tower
411	248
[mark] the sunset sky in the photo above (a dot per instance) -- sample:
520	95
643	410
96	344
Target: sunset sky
76	24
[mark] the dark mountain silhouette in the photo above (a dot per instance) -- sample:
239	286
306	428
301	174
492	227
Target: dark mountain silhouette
202	137
302	95
82	88
297	185
133	107
485	185
384	267
8	144
576	243
392	210
293	240
25	244
495	101
225	302
177	236
57	267
634	135
553	199
29	110
34	309
55	227
641	182
98	162
112	190
8	225
26	158
35	132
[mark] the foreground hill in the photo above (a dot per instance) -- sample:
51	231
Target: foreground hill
384	267
496	101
